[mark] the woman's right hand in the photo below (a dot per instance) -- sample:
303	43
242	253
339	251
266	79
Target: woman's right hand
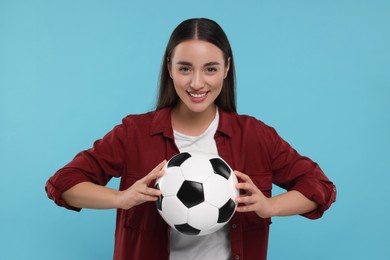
141	191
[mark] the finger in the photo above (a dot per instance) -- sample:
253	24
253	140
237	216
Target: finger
159	167
243	176
152	192
148	198
245	208
246	199
155	173
248	187
144	194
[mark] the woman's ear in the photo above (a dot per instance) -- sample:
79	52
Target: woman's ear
169	67
227	68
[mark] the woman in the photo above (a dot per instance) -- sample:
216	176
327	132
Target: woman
196	110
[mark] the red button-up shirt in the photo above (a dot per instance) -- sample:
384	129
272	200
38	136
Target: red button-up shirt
132	149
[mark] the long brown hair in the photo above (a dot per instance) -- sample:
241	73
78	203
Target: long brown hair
205	30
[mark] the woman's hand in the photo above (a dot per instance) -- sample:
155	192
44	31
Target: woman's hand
285	204
94	196
252	199
141	191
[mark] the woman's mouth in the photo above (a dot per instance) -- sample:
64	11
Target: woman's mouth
197	96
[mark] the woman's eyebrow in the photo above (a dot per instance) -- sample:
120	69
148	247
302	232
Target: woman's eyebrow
186	63
212	63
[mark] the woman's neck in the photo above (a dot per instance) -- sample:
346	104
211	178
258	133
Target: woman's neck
192	123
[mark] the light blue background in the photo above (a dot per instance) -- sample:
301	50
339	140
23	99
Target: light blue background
318	71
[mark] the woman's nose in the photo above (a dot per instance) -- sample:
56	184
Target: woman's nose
197	81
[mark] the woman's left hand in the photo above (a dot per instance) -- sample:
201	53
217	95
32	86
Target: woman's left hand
252	199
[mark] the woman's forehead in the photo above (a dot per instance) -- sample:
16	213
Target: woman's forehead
197	50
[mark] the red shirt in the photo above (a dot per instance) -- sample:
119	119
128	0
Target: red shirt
132	149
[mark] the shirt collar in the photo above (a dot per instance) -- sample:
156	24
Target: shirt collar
161	123
225	123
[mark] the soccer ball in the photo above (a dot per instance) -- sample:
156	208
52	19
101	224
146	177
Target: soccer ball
198	193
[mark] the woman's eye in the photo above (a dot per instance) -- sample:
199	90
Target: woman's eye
184	69
211	70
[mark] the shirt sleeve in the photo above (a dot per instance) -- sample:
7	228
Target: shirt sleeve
97	165
291	171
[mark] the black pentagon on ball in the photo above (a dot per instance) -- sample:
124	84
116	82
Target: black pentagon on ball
160	198
220	167
187	229
226	211
191	193
178	159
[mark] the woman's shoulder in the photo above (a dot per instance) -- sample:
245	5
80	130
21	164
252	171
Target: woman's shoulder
147	116
249	120
138	116
249	125
152	121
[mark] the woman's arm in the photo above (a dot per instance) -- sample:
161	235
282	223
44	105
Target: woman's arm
285	204
90	195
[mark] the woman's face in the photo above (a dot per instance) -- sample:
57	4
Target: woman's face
197	69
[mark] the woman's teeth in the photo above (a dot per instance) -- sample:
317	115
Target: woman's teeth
197	95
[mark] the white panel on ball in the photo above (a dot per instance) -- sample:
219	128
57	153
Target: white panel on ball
202	216
170	184
174	211
216	190
196	169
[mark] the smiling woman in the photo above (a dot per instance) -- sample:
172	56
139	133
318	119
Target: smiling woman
196	111
216	43
198	70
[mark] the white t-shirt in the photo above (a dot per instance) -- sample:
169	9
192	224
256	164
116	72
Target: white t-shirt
216	245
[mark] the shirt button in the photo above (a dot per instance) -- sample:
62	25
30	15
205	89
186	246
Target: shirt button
237	257
234	226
